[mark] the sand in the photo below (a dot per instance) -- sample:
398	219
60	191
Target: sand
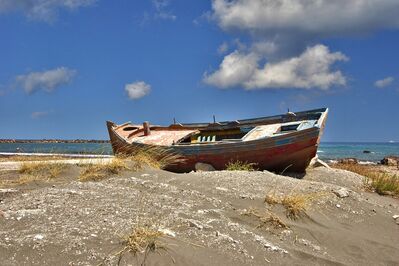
205	217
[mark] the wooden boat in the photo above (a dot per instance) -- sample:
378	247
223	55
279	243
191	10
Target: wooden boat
284	142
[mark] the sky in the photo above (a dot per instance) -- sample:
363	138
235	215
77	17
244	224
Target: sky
67	66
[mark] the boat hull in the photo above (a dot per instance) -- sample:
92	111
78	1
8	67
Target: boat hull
286	153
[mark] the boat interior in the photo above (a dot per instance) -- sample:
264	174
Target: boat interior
213	133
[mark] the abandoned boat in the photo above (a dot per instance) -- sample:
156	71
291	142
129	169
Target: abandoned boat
284	142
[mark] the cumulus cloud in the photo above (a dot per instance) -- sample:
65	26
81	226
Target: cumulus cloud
47	80
309	17
283	49
44	10
382	83
137	89
311	69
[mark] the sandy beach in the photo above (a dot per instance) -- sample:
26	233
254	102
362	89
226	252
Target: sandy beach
204	218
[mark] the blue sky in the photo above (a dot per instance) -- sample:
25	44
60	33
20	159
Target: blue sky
67	66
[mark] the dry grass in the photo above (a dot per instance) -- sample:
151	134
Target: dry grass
375	179
240	166
141	239
96	172
6	183
295	204
152	156
383	184
266	218
272	199
33	171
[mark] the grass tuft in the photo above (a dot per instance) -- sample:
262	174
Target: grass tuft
383	184
96	172
240	166
33	171
151	156
271	199
267	218
296	205
378	181
142	239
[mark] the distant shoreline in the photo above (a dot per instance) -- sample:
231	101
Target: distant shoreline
53	141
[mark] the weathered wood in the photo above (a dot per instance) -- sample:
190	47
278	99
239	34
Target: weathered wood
290	151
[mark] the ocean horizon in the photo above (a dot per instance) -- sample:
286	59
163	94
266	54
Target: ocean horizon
329	151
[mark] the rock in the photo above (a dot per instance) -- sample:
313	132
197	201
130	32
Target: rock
366	151
167	232
38	237
348	161
316	162
342	192
195	224
390	161
395	217
204	167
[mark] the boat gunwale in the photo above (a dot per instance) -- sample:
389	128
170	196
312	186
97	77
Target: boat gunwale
224	145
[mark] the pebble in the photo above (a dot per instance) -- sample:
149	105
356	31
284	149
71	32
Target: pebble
167	232
396	217
38	237
338	206
341	193
196	225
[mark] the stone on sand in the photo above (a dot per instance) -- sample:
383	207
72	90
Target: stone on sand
204	167
341	192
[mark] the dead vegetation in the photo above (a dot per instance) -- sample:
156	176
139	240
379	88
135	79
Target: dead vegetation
375	179
33	171
266	218
152	156
296	204
240	166
141	240
96	172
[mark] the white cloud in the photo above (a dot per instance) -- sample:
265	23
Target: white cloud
161	10
384	82
311	69
46	80
223	48
137	89
307	17
37	115
236	69
284	37
44	10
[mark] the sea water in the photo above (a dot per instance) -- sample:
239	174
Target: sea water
327	151
368	151
61	148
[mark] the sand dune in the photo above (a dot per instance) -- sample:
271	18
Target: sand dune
208	218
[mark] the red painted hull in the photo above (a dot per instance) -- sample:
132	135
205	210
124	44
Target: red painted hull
289	152
289	158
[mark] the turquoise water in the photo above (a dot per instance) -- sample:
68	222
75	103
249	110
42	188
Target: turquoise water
327	150
70	148
336	150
